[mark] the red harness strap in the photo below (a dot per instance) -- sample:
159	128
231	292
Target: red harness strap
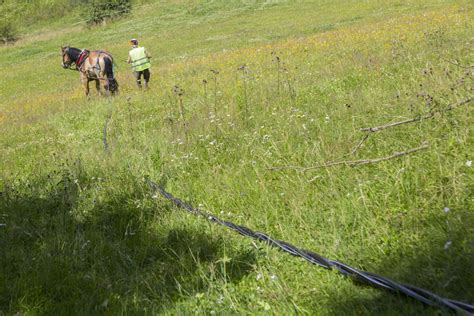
82	57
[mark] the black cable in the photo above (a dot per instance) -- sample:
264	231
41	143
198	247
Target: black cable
375	280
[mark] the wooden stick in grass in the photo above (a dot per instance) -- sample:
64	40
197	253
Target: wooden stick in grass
353	163
415	119
104	133
456	64
360	143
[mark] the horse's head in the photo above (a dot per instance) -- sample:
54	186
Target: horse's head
67	60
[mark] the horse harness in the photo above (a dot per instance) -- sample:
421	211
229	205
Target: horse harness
81	59
95	69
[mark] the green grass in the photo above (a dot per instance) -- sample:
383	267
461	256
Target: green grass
85	235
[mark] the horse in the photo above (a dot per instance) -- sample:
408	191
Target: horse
96	65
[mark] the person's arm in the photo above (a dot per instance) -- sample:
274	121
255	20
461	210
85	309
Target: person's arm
147	54
129	60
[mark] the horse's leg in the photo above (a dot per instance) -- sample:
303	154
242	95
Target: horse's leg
97	86
85	84
105	84
102	77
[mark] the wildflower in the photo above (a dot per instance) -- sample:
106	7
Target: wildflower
447	244
274	277
468	163
446	209
259	276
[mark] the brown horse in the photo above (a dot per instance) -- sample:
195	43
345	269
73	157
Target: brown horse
94	65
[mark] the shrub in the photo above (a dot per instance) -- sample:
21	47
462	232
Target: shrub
99	11
7	32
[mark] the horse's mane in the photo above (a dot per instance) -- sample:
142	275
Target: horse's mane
74	52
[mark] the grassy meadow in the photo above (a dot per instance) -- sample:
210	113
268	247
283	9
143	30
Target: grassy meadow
266	88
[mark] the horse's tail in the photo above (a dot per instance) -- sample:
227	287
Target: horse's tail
112	84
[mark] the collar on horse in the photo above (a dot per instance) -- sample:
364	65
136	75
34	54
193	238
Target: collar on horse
81	58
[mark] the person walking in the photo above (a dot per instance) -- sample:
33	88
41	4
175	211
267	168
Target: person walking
139	58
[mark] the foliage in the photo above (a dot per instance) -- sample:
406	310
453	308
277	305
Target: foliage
8	32
100	11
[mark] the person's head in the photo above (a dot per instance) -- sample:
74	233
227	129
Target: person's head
134	42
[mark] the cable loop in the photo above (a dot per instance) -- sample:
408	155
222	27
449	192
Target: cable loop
372	279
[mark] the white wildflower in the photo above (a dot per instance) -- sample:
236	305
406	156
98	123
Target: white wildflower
447	244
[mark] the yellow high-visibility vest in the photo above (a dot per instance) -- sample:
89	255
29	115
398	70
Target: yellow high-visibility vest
139	59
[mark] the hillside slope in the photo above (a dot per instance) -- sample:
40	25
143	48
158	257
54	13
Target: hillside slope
270	88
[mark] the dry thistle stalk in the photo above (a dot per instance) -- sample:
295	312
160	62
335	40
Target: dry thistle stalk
215	74
179	92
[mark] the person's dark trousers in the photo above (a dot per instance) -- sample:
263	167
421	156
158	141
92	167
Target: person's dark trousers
146	77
